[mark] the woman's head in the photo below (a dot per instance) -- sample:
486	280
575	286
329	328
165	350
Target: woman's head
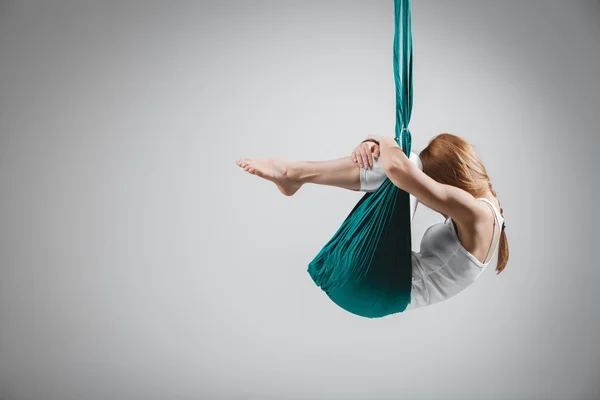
451	160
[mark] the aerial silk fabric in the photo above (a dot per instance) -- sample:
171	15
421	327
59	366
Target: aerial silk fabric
366	267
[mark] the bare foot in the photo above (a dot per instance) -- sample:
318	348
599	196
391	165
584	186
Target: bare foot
276	170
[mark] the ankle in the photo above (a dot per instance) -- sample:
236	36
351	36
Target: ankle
300	171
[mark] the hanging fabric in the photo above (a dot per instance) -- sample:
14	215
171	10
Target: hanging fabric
366	267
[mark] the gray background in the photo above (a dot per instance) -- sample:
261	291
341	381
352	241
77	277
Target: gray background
137	261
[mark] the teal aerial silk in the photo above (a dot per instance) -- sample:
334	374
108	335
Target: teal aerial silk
366	267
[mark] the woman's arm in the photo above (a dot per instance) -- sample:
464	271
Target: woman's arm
448	200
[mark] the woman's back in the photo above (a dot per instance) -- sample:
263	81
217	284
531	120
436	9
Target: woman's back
443	267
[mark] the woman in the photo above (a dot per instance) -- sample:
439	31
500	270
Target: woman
451	179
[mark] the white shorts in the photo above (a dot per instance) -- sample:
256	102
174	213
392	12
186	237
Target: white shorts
372	178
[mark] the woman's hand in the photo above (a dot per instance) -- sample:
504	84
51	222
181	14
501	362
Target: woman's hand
365	153
389	150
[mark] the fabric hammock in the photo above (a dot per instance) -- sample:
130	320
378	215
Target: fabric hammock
366	267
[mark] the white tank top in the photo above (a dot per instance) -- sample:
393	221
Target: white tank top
443	267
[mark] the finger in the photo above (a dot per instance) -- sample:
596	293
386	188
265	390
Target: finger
358	155
376	152
365	158
369	152
355	157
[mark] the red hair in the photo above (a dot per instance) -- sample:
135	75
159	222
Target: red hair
451	160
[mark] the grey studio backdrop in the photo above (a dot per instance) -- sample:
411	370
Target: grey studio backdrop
137	261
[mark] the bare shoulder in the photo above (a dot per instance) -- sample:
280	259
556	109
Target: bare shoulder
466	209
475	232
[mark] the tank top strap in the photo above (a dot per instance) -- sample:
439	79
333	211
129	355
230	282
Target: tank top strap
497	219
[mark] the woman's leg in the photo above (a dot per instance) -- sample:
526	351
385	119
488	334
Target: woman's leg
290	175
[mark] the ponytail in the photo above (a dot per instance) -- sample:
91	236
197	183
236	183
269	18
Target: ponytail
503	252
